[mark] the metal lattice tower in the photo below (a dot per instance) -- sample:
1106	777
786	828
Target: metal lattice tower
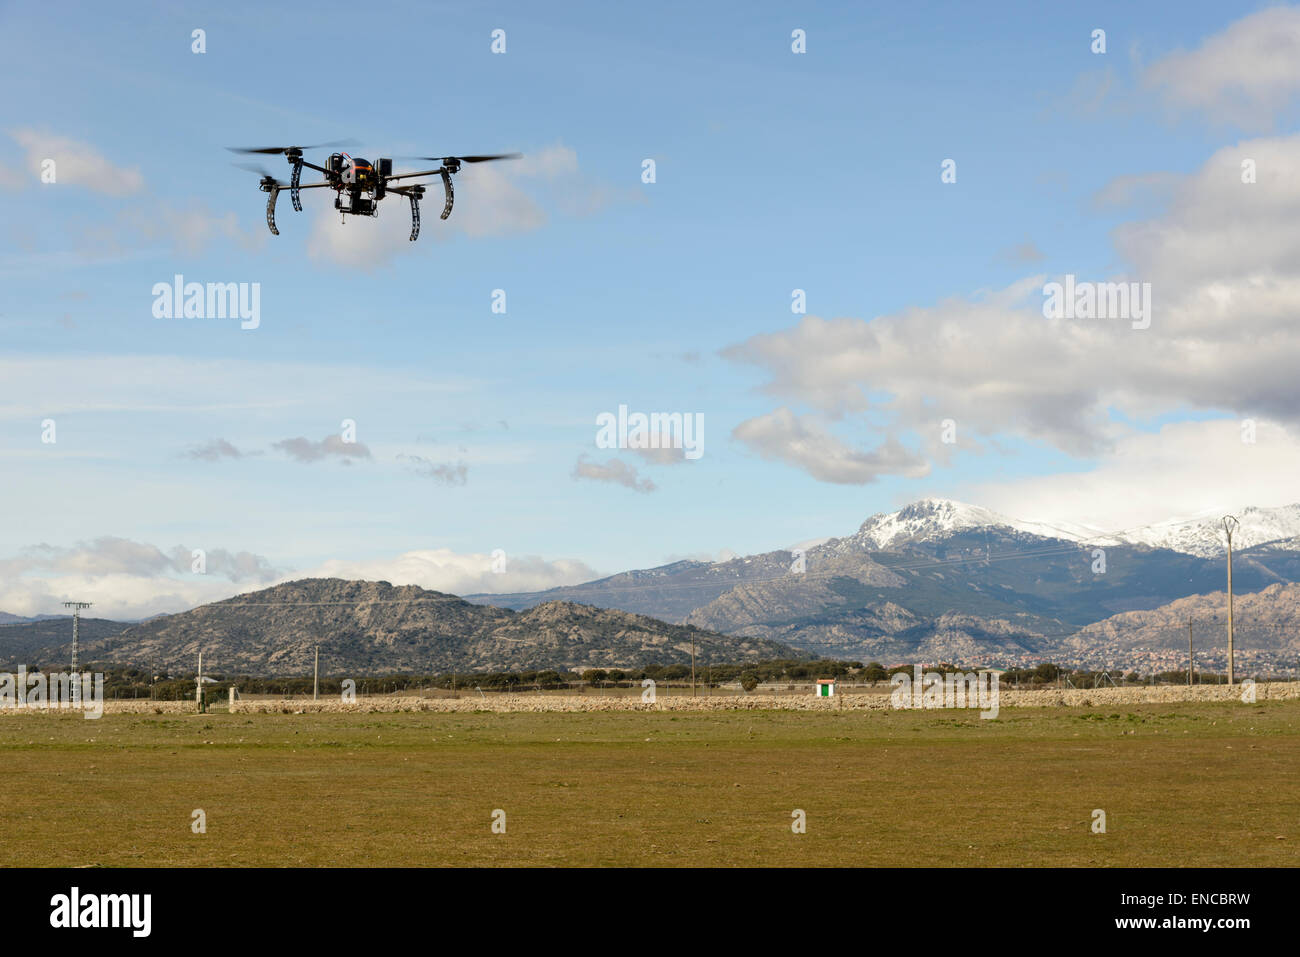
76	607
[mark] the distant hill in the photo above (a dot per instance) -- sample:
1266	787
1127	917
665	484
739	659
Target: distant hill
376	628
7	619
49	640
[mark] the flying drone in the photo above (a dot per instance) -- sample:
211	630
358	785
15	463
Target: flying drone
358	184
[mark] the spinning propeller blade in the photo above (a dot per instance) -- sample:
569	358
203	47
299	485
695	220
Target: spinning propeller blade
285	149
261	171
447	160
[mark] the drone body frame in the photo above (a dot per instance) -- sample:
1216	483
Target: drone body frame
359	185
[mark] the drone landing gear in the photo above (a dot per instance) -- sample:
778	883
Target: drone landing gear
451	196
414	196
274	192
293	185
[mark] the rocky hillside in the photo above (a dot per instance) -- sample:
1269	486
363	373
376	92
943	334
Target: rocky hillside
39	638
1268	620
376	628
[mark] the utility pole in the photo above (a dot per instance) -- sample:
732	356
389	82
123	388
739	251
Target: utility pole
1191	658
692	664
198	685
315	680
1230	525
76	607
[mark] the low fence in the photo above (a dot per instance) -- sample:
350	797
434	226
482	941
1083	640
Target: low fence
1090	698
534	703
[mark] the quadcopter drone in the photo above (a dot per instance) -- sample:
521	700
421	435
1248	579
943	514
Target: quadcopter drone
358	184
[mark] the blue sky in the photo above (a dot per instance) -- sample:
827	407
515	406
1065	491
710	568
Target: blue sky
775	171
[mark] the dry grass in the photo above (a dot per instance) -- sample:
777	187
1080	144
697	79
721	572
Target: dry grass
1214	783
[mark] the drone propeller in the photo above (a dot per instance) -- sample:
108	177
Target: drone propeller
452	160
287	149
261	171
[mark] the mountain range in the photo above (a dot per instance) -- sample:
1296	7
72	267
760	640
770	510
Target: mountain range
940	579
935	580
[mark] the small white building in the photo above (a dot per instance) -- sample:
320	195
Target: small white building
825	687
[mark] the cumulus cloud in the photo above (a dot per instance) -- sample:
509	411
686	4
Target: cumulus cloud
785	437
443	473
76	163
460	573
1145	479
120	597
124	578
109	555
1246	74
187	229
304	450
1223	261
615	471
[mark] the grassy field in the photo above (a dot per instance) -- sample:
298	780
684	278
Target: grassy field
1187	784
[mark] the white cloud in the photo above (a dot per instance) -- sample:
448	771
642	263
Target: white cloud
1184	469
128	580
1223	261
458	573
802	442
123	578
1246	74
76	163
109	555
116	596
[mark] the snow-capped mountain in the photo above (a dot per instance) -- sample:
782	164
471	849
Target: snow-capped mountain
934	519
1204	537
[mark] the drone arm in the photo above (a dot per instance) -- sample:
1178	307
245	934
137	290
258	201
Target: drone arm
427	172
